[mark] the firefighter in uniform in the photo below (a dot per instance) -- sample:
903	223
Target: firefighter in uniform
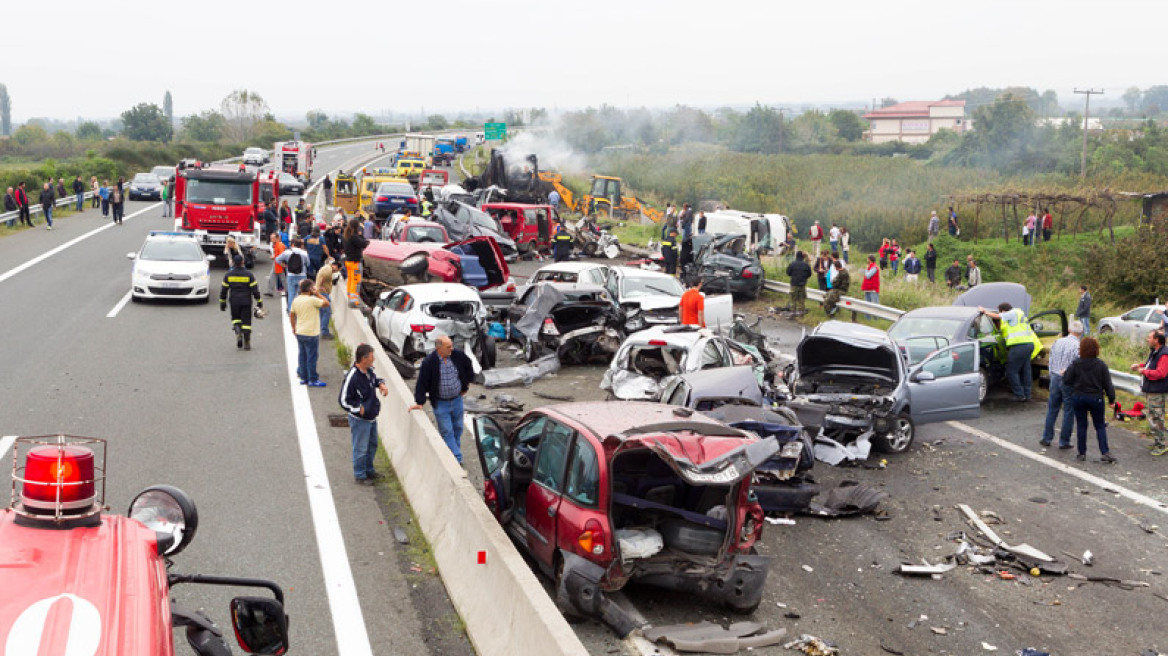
561	243
669	252
240	287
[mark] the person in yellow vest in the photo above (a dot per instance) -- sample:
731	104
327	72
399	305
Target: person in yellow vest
1022	345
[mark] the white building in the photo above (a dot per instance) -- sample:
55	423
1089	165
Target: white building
915	121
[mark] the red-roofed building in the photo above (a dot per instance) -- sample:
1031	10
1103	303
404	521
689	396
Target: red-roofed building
915	121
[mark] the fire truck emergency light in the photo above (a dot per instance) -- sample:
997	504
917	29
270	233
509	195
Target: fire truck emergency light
58	476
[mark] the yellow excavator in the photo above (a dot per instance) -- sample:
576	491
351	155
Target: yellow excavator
604	199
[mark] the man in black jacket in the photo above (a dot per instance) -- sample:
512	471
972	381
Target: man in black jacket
799	272
359	399
10	201
79	190
444	377
48	200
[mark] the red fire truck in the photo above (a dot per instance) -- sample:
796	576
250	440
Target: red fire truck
294	157
79	580
220	202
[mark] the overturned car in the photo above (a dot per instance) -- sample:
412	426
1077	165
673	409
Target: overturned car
576	321
601	498
872	396
476	262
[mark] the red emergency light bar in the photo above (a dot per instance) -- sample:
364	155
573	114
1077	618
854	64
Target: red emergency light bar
58	477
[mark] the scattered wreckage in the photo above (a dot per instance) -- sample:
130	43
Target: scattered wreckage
723	264
576	321
671	505
463	221
647	358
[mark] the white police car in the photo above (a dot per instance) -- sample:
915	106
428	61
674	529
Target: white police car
170	265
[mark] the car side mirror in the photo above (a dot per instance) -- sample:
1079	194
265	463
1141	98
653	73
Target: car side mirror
261	627
132	256
923	377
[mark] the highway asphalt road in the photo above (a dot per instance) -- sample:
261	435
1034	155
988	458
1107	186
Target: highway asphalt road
851	595
164	383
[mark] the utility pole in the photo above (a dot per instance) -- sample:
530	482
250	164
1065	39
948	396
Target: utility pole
1086	115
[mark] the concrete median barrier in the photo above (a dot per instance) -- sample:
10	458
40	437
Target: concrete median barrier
502	602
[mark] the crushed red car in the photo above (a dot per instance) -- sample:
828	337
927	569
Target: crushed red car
653	493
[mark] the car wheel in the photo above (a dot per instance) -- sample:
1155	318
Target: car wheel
1105	330
983	385
590	249
899	438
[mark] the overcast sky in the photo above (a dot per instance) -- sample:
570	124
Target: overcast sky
69	58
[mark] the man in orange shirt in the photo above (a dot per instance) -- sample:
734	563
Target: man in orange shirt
693	306
276	280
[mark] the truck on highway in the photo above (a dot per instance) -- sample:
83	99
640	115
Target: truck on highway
444	150
423	144
294	157
460	144
219	202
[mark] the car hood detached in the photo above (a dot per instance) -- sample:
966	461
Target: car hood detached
820	353
543	299
990	294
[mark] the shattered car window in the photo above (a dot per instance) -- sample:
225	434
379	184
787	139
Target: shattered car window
635	287
656	361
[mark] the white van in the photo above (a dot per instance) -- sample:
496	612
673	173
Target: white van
480	138
762	231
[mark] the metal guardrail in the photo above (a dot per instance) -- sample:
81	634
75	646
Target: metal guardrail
1127	382
69	200
845	302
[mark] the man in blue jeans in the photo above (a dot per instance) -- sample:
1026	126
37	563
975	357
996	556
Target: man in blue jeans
359	399
444	377
305	318
1062	354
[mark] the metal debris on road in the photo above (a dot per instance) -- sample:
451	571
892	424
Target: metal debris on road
1021	549
939	630
523	374
988	647
849	498
553	397
926	569
812	646
709	638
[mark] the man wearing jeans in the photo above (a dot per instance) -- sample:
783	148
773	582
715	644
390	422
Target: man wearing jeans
295	263
1062	354
445	377
359	399
79	189
305	317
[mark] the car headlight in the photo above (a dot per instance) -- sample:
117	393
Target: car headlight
170	513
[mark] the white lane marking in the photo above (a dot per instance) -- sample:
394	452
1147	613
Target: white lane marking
72	242
348	623
6	443
121	304
1131	495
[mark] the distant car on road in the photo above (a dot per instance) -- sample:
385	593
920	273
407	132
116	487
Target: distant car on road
145	186
1135	323
255	157
163	172
290	185
170	265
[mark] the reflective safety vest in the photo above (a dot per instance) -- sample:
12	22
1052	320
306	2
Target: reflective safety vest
668	244
563	236
1021	333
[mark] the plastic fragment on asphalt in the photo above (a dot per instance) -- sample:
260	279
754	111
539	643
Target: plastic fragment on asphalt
1088	558
926	569
808	568
812	646
1023	549
780	521
988	647
939	630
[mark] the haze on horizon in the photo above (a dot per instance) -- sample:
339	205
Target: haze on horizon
522	53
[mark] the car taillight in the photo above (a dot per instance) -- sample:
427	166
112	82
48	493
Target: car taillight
383	199
747	273
491	496
58	475
412	201
549	327
510	285
421	328
592	539
658	342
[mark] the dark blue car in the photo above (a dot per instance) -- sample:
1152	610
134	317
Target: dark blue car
394	197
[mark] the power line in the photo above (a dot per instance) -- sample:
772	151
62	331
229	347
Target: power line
1086	116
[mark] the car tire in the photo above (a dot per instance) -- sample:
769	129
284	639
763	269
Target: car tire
590	249
899	439
983	386
1105	330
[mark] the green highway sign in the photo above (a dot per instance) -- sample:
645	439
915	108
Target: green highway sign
495	131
